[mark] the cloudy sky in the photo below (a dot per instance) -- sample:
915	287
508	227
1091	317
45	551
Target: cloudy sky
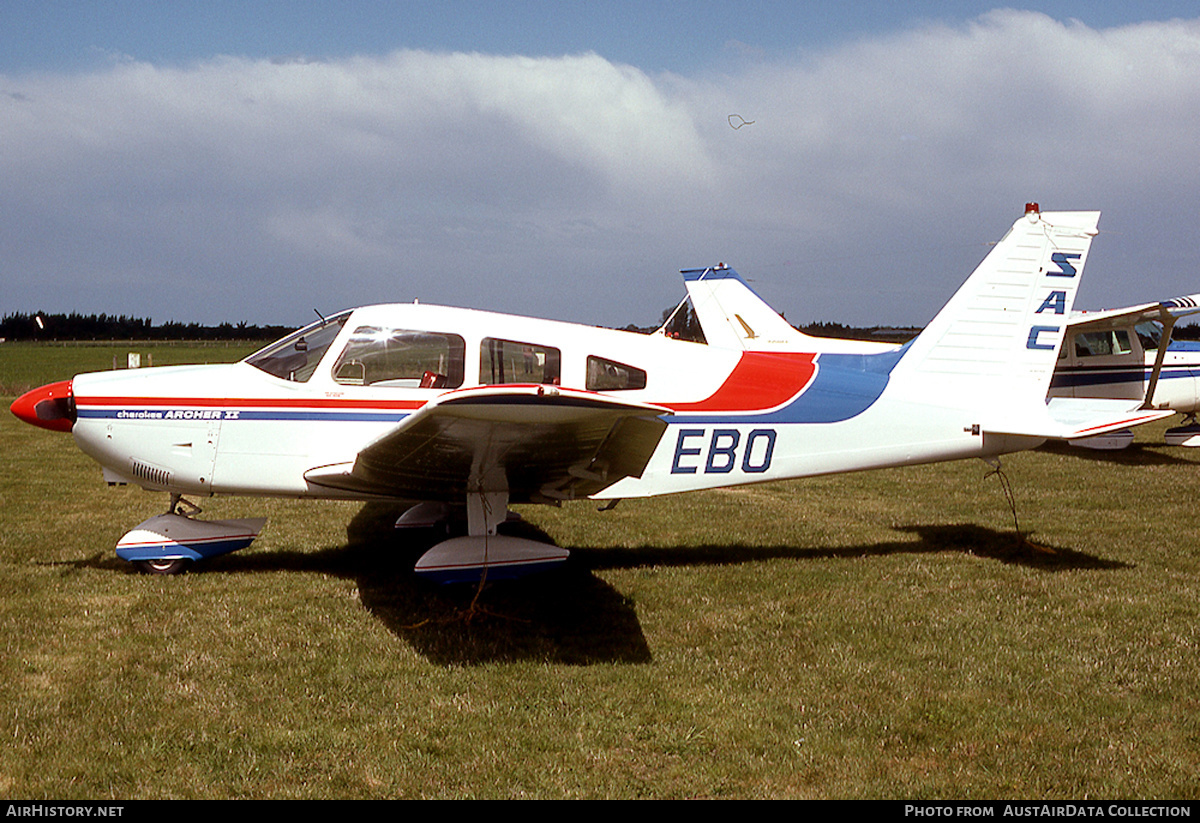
219	161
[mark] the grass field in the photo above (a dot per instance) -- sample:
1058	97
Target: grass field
879	635
24	366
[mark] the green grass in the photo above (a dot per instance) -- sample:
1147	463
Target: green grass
872	635
24	366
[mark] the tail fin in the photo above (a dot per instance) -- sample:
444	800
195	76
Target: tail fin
1001	332
993	348
733	316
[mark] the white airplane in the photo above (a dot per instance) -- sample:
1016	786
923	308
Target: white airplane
1129	353
460	409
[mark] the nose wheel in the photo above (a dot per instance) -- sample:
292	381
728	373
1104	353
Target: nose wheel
174	565
170	565
169	543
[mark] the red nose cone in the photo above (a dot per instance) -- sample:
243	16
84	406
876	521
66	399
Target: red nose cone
50	407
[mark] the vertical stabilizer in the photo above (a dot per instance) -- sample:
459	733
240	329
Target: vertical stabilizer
998	338
733	316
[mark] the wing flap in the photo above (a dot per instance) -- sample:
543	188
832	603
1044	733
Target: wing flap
535	442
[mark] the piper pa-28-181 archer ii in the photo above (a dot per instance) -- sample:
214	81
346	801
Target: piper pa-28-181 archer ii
455	409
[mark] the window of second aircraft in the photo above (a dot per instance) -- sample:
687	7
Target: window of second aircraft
1150	333
1100	343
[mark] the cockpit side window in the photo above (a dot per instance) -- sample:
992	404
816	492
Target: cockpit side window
609	375
296	356
509	361
401	358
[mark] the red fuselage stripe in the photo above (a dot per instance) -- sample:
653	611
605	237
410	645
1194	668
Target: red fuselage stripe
760	380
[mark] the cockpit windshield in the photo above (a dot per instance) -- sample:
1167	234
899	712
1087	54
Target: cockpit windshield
296	356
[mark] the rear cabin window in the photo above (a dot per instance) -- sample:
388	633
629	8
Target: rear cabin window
401	358
509	361
609	375
1099	343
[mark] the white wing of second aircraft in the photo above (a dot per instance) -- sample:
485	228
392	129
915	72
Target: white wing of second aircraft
1174	310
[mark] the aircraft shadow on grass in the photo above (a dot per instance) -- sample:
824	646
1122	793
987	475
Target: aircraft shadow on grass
569	615
967	538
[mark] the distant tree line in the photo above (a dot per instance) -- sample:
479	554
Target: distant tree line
880	334
74	326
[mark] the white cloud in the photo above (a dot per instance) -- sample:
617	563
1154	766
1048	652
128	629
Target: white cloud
865	189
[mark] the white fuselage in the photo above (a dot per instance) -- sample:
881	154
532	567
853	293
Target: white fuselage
738	417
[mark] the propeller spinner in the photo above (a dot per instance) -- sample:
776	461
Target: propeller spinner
49	407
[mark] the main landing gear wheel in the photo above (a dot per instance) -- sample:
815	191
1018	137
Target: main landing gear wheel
173	565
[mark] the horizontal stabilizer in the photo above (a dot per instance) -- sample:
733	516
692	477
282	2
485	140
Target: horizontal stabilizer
1069	418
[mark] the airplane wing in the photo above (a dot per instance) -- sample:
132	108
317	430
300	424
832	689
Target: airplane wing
538	443
1163	310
